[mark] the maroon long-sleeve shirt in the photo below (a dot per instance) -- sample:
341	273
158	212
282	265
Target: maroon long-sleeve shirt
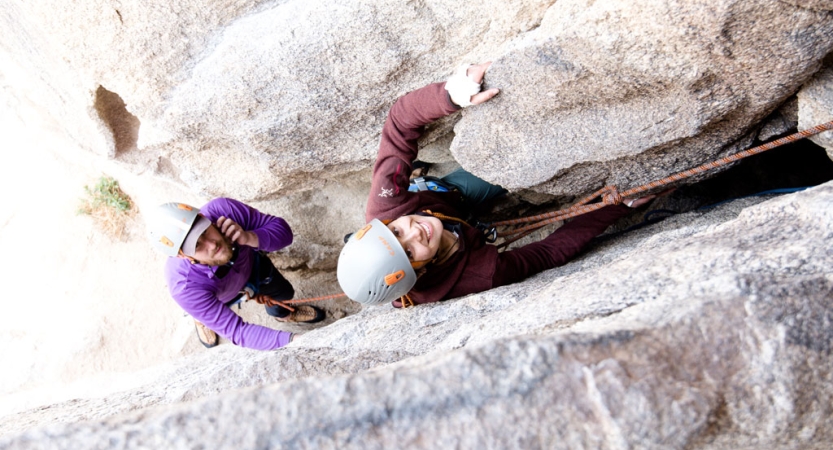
476	266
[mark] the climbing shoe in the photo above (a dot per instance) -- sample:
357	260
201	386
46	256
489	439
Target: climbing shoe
304	314
208	338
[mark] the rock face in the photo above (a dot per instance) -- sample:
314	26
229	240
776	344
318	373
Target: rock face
283	92
816	105
709	330
694	333
624	93
267	100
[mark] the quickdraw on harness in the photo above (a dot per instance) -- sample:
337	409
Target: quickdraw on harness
610	195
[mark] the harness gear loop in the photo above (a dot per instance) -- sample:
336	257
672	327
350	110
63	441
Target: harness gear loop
429	184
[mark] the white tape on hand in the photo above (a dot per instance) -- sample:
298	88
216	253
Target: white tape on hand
460	87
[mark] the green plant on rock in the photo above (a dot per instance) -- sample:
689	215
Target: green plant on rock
108	205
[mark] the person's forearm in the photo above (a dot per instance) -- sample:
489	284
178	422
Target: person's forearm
587	226
271	232
408	117
275	236
249	335
557	249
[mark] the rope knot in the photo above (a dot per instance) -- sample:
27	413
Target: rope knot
611	196
266	300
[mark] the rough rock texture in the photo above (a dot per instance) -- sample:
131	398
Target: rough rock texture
261	100
283	92
710	330
694	333
255	100
815	102
627	92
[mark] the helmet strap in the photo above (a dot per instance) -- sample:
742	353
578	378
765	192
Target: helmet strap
442	217
421	264
184	256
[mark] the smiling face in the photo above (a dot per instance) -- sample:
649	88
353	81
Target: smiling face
213	248
420	236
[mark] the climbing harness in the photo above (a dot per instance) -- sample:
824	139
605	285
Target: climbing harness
610	195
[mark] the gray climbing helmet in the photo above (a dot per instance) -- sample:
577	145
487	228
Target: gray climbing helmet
169	224
373	268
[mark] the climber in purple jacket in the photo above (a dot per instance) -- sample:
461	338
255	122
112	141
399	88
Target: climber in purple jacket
216	254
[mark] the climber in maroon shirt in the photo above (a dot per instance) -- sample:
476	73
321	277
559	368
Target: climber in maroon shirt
414	250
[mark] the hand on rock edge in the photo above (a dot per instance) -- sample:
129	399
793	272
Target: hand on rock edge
476	73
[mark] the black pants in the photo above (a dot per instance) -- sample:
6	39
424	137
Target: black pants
265	279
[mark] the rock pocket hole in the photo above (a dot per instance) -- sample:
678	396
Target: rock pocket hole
124	126
796	165
778	171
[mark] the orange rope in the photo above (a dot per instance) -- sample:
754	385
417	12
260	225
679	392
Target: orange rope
406	301
610	194
731	158
269	301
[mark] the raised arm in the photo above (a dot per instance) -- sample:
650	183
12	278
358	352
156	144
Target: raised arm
248	226
405	124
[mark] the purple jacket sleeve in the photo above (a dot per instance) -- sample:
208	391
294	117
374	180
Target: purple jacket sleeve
203	305
273	233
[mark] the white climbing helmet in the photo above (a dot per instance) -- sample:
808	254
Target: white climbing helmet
169	224
373	268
